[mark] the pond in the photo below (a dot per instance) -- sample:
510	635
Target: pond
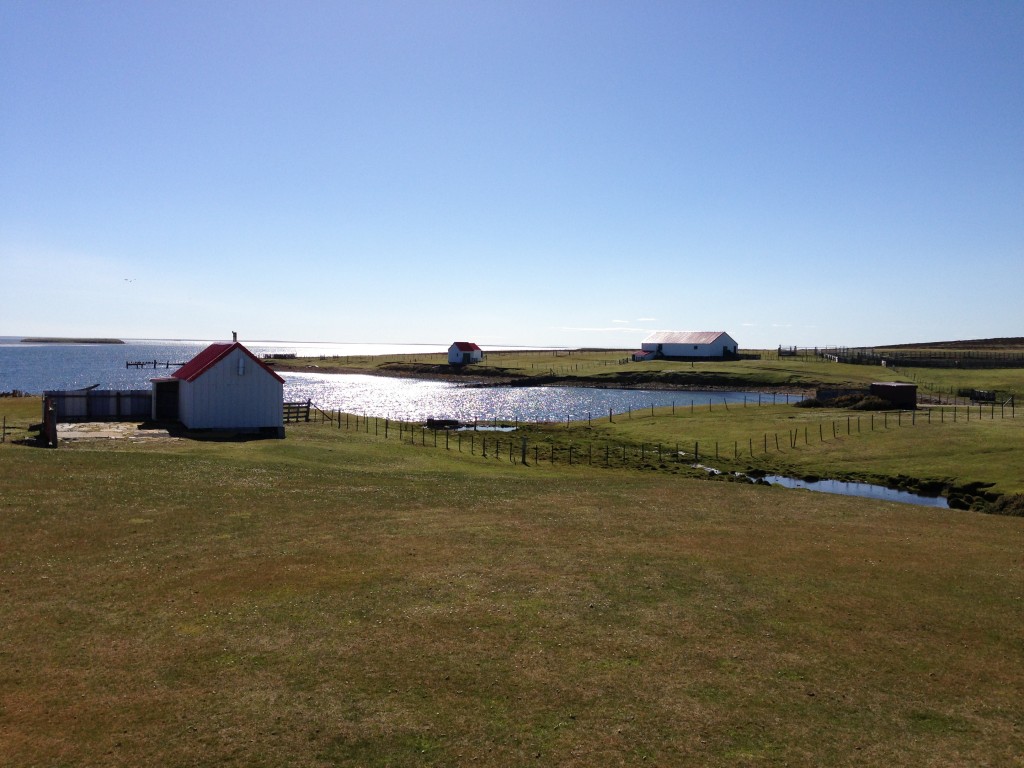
419	399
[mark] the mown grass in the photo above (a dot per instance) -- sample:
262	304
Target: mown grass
336	599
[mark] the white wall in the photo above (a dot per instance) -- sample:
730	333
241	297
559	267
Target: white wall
716	349
222	399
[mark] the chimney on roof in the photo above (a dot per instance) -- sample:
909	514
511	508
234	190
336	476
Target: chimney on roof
234	335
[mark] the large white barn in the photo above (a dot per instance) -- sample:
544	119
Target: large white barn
223	387
690	344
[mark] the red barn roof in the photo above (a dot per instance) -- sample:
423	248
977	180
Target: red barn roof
213	354
466	346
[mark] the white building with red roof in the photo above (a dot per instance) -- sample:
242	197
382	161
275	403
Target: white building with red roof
464	352
223	387
690	344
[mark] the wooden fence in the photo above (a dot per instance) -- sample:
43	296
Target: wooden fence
297	411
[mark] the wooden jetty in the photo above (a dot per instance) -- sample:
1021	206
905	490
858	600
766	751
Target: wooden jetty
154	364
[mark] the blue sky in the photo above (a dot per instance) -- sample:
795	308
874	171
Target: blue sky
537	173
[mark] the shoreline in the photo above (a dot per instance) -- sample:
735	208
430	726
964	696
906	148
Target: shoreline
64	340
474	380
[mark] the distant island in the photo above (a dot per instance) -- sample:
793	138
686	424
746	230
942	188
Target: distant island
56	340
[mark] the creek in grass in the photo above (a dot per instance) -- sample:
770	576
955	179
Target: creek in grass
866	490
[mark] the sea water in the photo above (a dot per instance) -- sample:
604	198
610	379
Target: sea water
35	368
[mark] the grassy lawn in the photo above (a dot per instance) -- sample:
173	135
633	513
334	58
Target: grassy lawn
337	599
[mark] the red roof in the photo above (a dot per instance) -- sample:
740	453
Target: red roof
466	346
213	354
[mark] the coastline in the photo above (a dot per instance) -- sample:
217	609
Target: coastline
482	377
67	340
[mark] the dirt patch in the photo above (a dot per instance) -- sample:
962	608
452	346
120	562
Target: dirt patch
110	430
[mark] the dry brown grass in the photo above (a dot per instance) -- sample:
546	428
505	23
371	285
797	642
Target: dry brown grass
334	600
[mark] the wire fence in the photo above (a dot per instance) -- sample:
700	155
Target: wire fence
498	440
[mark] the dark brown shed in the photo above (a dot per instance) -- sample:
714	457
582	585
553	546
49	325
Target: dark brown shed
899	394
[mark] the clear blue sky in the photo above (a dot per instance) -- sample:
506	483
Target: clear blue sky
521	172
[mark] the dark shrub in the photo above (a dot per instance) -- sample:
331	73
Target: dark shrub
1008	505
872	403
810	402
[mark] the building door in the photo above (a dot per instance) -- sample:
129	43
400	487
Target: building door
166	400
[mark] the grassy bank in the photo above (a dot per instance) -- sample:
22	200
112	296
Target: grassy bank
944	446
615	369
338	599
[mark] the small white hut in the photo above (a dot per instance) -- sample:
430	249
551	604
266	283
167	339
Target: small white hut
223	387
464	353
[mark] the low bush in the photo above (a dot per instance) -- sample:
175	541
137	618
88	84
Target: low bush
810	402
1009	505
871	403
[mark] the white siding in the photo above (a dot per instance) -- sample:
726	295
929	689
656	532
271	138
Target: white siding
455	355
221	398
724	342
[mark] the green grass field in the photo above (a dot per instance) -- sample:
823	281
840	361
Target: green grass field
614	368
337	599
951	446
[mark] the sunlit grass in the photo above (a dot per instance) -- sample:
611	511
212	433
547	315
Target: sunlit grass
338	599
